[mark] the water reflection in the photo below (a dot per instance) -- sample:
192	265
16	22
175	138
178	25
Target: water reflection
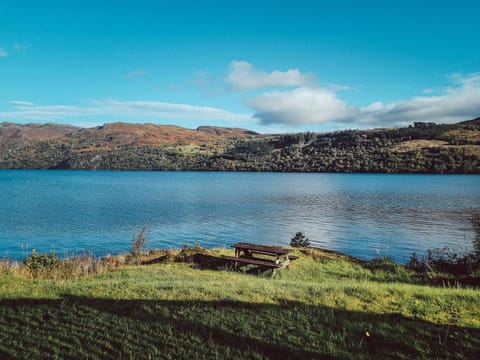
363	215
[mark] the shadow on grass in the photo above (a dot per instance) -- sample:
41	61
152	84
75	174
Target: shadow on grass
5	356
82	327
202	261
444	280
209	262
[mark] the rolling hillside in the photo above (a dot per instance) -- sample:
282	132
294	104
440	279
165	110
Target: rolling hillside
421	148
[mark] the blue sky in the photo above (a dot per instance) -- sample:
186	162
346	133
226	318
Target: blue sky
265	65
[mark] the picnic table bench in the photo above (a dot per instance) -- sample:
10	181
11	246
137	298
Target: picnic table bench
244	254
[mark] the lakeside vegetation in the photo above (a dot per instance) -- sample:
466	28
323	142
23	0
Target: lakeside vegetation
422	148
179	304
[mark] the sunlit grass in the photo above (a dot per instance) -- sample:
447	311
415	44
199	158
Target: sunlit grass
324	305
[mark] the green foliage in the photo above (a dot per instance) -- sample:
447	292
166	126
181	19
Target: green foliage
372	151
299	240
39	261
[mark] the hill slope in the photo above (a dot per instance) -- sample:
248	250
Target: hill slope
423	148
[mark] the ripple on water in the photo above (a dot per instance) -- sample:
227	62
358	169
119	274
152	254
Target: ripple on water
363	215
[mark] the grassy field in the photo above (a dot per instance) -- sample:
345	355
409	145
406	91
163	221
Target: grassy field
325	306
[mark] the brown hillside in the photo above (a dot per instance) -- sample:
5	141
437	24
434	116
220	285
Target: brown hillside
118	134
115	135
228	132
19	133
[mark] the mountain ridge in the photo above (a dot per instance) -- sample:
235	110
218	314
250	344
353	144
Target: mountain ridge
421	148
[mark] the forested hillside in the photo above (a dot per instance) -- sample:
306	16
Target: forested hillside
420	148
425	148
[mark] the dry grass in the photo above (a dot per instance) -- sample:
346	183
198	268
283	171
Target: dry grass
87	265
70	268
413	145
464	135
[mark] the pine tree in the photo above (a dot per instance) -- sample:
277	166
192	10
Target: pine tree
299	240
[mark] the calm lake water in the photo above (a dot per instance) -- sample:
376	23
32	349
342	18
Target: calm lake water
364	215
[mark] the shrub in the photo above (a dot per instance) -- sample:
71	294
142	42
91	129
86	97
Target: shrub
417	264
187	253
446	261
37	261
383	263
443	260
299	240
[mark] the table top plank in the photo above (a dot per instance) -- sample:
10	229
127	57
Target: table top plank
262	249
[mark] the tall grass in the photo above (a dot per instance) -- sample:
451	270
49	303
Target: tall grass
138	242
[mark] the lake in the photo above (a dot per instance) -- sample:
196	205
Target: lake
365	215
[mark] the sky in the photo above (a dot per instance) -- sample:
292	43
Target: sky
269	66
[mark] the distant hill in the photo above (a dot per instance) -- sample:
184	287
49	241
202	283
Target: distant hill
111	146
117	134
474	122
11	133
422	148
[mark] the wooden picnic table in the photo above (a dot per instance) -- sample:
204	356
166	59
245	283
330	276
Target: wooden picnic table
244	254
249	249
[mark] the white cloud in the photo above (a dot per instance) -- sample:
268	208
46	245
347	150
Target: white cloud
164	110
21	102
25	110
134	110
243	76
303	105
316	105
3	53
461	101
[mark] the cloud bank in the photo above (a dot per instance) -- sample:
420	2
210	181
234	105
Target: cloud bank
24	110
243	76
317	105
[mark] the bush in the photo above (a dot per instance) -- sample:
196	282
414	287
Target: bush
443	260
187	253
38	261
299	240
384	263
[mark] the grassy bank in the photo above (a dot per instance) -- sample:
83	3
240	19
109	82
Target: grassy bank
325	305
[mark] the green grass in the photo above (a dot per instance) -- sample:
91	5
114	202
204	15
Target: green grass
325	306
